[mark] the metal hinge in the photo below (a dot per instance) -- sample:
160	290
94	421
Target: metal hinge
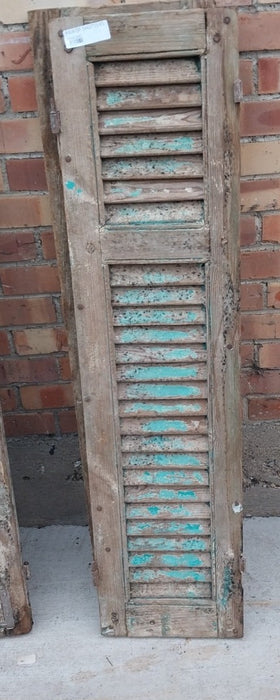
55	119
237	91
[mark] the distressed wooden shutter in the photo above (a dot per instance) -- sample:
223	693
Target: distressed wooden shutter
149	158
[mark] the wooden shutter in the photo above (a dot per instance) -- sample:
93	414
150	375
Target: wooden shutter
149	158
15	612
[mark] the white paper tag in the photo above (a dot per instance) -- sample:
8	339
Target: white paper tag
86	34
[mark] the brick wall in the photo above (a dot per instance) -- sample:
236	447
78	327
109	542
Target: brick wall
36	390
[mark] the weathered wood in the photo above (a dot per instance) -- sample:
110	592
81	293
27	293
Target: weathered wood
144	122
148	494
81	217
191	511
15	611
141	32
169	426
160	443
142	373
149	145
159	528
157	296
182	274
155	191
155	214
170	560
223	159
134	477
159	353
162	408
147	72
163	575
153	168
169	544
185	334
147	97
172	621
173	244
174	590
143	390
158	316
162	460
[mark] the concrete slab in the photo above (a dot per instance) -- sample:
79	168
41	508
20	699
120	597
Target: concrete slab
65	658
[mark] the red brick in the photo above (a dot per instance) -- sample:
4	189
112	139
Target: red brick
24	210
269	74
259	195
247	230
271	227
266	382
246	354
48	245
68	422
4	343
260	264
22	93
26	174
27	370
8	399
40	341
65	369
260	118
52	396
21	312
20	136
262	326
264	409
259	31
29	280
29	424
15	51
246	75
273	298
251	296
17	246
2	99
269	355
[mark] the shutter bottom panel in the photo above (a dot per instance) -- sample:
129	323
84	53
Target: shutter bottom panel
162	398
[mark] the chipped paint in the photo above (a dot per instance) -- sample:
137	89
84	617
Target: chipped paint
154	335
161	408
165	477
178	144
162	391
168	544
164	460
149	575
227	585
72	187
166	495
159	372
160	316
170	527
153	296
163	426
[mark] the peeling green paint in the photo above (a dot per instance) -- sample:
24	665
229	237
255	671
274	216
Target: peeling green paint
154	335
166	544
159	372
163	426
168	477
227	585
161	408
153	296
138	145
160	316
164	460
170	528
162	391
150	575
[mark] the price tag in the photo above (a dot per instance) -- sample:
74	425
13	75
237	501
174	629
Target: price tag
86	34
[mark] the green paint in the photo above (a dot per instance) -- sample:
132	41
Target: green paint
141	511
188	560
141	559
165	477
162	391
166	544
164	460
151	575
169	528
166	495
70	185
138	145
152	296
160	408
164	426
227	585
127	120
159	372
160	316
154	335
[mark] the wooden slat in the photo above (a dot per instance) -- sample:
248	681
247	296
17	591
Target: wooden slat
169	544
158	317
171	590
152	168
173	213
147	72
143	122
181	274
160	494
148	97
172	560
140	32
163	575
154	191
157	296
174	460
172	620
185	334
167	527
162	391
151	145
159	443
163	477
166	426
185	241
162	408
154	373
159	353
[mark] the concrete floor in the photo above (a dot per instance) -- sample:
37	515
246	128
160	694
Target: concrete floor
65	658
